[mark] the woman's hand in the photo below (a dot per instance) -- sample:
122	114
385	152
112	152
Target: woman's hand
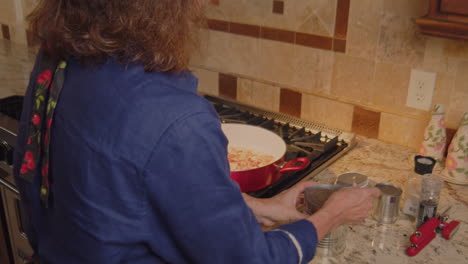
279	208
347	206
352	204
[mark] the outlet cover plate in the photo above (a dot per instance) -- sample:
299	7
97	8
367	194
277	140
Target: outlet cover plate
421	89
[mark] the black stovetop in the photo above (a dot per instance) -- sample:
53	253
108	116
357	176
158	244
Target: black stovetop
12	106
300	141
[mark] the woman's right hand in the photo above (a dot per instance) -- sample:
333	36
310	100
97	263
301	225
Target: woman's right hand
347	206
351	205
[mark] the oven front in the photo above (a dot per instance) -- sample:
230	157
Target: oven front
16	246
16	243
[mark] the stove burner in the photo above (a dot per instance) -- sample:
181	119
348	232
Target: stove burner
300	142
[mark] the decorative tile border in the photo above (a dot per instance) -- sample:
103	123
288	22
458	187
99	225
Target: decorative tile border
299	38
5	32
218	25
228	86
278	35
341	20
336	43
314	41
244	29
339	45
365	122
290	102
362	121
278	7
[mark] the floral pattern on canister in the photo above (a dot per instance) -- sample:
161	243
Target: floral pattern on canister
434	142
456	164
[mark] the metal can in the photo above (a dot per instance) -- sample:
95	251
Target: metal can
387	206
353	178
334	243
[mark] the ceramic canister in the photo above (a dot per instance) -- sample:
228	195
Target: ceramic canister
434	142
456	164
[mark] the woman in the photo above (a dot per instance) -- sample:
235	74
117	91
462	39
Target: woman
120	161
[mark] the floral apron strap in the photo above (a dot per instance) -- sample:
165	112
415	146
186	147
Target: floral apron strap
46	94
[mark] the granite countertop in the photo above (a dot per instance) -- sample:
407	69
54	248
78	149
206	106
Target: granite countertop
386	243
381	162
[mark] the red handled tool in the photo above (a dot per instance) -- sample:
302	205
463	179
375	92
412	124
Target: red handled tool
427	232
449	229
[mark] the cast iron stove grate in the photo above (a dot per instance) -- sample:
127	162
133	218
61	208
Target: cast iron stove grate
301	141
12	106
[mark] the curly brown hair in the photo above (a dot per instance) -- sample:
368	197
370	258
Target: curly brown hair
159	34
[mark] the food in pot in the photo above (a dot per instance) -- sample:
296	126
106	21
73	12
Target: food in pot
245	159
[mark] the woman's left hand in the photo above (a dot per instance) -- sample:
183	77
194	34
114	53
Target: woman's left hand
280	208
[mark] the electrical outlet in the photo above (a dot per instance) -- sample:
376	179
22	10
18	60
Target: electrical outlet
420	90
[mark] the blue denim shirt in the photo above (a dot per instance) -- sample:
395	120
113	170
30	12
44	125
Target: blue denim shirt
140	175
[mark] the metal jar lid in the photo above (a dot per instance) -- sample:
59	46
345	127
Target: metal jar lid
389	189
423	165
353	177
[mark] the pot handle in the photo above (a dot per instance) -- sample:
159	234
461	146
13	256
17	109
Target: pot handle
296	164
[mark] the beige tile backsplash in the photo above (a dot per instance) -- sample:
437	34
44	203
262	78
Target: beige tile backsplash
401	130
326	111
435	59
208	81
13	14
261	95
390	88
363	29
382	47
456	48
352	78
399	41
312	70
316	17
275	62
7	12
443	90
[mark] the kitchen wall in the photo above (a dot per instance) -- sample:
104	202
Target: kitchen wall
12	19
343	63
15	57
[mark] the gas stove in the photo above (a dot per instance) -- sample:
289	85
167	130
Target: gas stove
322	145
10	113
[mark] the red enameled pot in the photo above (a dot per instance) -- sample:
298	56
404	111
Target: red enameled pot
263	141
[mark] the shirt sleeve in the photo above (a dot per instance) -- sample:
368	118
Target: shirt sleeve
188	184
